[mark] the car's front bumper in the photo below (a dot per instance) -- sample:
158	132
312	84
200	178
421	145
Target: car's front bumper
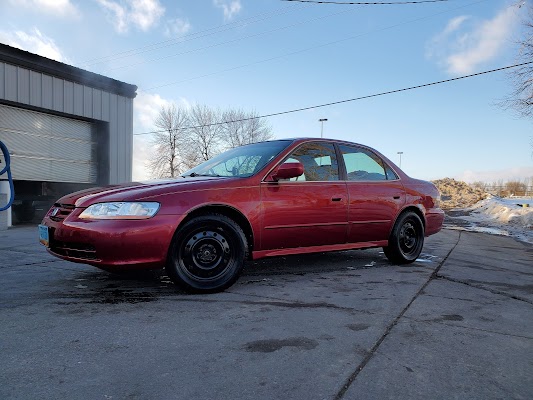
113	244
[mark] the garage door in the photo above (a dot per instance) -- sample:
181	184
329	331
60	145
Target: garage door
48	148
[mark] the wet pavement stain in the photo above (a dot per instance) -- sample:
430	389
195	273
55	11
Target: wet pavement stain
272	345
103	296
452	317
122	296
357	327
447	317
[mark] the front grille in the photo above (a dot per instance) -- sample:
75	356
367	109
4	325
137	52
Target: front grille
82	251
60	211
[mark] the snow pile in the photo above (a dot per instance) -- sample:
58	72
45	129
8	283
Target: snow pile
472	209
457	194
495	216
504	212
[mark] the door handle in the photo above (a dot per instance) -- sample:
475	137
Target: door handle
336	199
396	197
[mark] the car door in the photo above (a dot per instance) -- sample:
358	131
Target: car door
309	210
375	195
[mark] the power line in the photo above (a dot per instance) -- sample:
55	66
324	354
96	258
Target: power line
368	3
350	100
235	40
312	47
192	36
223	28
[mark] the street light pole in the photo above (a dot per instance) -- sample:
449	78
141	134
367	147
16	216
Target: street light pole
322	120
400	153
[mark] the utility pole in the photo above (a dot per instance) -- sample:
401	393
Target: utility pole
400	153
322	120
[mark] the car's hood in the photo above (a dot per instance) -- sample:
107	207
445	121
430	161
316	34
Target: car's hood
137	190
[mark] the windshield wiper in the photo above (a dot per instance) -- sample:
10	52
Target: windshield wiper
194	174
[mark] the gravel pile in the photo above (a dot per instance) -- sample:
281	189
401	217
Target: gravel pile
458	194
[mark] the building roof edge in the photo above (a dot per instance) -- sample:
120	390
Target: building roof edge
15	56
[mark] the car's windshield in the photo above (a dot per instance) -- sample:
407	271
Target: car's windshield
241	161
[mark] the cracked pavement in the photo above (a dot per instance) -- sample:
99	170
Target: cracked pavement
347	325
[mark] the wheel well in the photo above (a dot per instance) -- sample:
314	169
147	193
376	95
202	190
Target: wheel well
417	211
229	212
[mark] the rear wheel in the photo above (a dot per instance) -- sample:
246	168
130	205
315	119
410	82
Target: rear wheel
406	239
207	254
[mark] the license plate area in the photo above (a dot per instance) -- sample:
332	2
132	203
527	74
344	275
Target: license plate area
44	235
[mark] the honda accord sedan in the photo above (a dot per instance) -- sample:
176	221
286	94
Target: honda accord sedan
265	199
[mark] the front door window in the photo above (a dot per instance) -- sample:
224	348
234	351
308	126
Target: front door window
319	161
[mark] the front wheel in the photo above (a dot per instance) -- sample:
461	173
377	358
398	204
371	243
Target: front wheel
207	254
406	239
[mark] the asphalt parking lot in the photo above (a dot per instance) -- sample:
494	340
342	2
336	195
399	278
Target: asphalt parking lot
457	324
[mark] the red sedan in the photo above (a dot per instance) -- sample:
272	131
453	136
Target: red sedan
265	199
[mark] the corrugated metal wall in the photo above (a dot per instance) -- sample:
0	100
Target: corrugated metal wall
27	87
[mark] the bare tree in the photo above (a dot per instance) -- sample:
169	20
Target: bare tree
191	136
240	128
479	185
167	161
205	136
521	98
516	188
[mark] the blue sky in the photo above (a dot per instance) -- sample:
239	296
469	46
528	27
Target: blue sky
272	56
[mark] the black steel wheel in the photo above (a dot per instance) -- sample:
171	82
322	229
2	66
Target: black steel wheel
207	254
406	239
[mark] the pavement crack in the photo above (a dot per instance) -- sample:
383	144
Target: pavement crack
340	394
480	287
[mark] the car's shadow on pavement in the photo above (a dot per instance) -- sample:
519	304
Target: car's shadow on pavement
101	287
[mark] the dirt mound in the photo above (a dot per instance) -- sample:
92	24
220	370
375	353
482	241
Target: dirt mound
458	194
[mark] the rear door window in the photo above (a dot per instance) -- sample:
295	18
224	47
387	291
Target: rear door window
363	165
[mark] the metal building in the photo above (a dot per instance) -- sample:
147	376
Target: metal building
66	129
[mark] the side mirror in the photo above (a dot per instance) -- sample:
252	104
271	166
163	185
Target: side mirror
288	170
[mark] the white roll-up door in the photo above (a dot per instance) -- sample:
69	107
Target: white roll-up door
48	148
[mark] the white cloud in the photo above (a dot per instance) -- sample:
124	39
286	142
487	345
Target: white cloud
34	42
141	149
436	47
117	13
143	14
146	106
454	24
60	8
146	13
509	174
230	7
145	109
464	44
177	27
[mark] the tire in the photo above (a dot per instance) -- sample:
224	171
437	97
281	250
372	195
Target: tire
207	254
406	239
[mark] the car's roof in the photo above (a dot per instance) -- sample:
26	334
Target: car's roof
305	139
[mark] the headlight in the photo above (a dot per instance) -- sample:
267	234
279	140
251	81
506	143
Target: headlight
121	210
